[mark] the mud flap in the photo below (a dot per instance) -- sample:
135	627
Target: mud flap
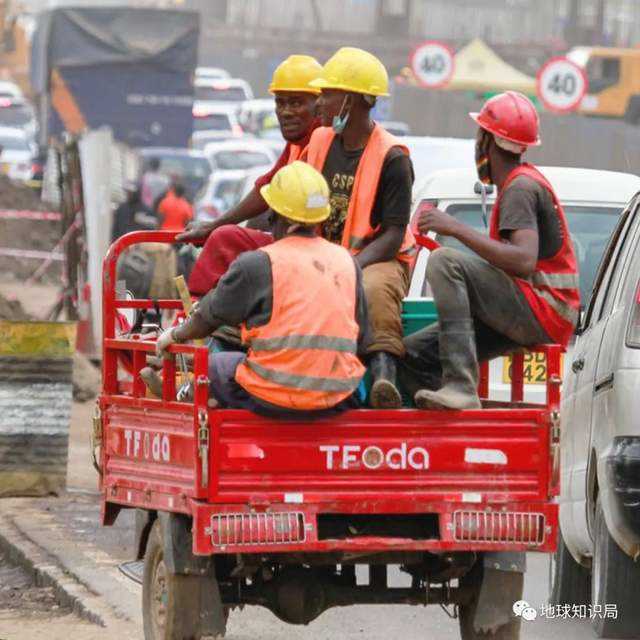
179	559
502	585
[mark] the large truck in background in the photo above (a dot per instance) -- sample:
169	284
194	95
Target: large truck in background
613	75
130	69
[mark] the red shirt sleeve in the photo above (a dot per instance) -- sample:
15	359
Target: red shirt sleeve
280	162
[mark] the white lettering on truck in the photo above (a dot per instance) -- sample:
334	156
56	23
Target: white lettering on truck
156	447
353	456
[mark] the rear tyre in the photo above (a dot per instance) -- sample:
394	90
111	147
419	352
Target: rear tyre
570	581
632	114
615	581
172	605
467	612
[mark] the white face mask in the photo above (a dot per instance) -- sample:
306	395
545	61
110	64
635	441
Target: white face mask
339	122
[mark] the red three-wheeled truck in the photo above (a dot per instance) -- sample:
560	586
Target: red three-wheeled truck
235	509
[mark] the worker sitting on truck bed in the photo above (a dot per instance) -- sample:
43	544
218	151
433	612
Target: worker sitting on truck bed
519	287
301	305
295	104
370	176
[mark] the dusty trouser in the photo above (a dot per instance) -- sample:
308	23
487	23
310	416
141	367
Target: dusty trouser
385	285
481	313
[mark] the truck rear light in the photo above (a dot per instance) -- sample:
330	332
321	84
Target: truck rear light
499	526
633	331
236	529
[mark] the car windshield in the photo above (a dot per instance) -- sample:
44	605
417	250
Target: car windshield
15	116
240	159
228	192
10	143
590	229
212	121
227	94
185	166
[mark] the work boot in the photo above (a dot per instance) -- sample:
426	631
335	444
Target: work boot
384	393
152	381
457	345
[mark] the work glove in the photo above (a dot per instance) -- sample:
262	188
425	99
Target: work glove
165	339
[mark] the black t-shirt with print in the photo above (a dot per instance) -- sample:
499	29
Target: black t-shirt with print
392	206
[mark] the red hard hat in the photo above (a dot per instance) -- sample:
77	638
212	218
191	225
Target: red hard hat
511	116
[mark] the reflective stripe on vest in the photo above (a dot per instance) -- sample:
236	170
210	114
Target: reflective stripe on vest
308	383
358	232
305	356
305	342
552	290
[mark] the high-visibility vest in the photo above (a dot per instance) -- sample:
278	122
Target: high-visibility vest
358	232
295	151
305	356
552	290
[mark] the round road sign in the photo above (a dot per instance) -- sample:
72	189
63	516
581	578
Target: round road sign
432	64
561	85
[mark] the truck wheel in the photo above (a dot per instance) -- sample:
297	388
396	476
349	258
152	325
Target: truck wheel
615	581
467	612
632	114
171	604
570	581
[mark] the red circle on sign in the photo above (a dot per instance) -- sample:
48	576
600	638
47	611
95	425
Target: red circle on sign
575	103
433	43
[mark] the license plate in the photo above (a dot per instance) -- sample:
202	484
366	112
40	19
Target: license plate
534	370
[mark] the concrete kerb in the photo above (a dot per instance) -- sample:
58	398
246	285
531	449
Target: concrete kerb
46	571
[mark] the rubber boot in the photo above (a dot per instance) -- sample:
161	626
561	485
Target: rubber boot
457	344
152	380
384	393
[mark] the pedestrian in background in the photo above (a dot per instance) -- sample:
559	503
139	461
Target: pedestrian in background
174	210
153	183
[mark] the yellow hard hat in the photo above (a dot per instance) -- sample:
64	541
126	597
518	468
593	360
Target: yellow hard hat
298	192
295	74
351	69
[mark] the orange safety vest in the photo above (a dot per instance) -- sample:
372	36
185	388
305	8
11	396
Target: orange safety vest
358	232
552	290
305	356
295	151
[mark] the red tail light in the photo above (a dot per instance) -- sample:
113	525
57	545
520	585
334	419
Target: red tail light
633	331
237	130
211	211
499	526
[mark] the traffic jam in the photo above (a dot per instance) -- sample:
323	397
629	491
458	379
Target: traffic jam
314	317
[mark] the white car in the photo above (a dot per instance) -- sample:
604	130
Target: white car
597	558
10	90
17	155
229	91
256	115
593	201
211	73
241	154
213	123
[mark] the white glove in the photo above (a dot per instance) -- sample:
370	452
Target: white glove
165	339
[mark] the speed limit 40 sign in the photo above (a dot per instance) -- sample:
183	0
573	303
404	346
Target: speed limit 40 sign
561	85
432	64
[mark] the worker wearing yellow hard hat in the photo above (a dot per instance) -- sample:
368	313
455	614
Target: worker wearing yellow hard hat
295	110
300	303
370	177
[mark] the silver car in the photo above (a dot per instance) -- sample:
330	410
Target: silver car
597	558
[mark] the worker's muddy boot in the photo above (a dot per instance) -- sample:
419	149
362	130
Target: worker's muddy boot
459	370
384	393
152	380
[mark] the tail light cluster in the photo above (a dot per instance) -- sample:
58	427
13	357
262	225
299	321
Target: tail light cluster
233	529
633	330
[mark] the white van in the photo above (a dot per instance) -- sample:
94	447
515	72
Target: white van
593	201
597	557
